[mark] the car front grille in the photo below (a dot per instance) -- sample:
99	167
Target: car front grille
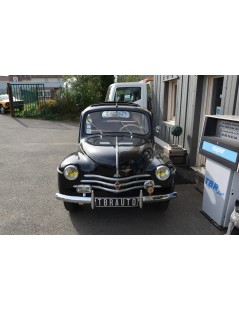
116	185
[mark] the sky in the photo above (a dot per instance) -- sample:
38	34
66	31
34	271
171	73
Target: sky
157	37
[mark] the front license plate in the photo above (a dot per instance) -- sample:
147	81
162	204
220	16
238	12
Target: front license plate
116	202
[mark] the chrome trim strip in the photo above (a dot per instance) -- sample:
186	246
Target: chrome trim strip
117	179
117	157
91	200
59	171
112	185
77	199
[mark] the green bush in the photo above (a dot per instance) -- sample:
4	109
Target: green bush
63	107
82	91
48	108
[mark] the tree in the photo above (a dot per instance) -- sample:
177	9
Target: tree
130	78
86	89
105	81
83	90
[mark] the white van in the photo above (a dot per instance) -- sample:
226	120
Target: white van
130	92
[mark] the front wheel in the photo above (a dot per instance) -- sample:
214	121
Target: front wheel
2	109
70	206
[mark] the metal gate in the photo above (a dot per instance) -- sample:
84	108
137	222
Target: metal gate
26	100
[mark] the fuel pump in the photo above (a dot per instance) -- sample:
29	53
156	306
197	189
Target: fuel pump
220	146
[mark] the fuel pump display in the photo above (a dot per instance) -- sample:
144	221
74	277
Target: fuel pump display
220	146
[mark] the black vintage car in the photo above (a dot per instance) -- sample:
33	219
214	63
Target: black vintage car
115	165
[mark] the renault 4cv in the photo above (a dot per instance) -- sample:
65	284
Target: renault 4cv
115	164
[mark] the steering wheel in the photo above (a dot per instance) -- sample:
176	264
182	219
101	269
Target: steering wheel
125	127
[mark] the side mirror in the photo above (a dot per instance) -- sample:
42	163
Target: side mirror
158	129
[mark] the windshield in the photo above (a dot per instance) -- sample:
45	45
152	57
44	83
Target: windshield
3	97
128	94
120	121
6	98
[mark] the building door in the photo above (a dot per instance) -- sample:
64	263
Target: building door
211	105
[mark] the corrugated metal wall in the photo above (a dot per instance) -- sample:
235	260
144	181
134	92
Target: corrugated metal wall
189	102
230	95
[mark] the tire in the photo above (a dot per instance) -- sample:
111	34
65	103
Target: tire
71	207
2	109
162	206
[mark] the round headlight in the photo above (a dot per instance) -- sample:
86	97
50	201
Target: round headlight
162	173
71	172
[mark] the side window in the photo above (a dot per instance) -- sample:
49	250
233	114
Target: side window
171	102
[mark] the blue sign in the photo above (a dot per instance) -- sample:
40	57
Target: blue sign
220	151
214	186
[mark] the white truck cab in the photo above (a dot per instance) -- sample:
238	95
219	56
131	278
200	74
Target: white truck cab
130	92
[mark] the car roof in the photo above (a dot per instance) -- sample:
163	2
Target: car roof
128	84
114	104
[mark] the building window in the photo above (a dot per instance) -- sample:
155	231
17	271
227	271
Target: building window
217	95
44	93
172	98
15	79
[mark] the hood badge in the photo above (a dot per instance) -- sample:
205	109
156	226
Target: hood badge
127	170
117	185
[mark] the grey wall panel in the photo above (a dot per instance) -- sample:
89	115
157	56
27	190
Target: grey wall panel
195	129
190	113
236	97
184	100
228	95
155	101
161	105
237	103
224	94
178	100
233	95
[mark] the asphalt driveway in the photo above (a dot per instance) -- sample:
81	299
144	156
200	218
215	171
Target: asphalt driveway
30	151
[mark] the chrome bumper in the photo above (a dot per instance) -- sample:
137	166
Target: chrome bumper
91	200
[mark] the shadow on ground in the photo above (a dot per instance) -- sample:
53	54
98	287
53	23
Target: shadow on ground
183	217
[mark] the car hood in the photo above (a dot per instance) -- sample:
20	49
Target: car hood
106	155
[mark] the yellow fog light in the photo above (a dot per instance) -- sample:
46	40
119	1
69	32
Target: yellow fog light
162	173
71	172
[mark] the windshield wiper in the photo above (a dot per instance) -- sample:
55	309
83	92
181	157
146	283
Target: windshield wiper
131	134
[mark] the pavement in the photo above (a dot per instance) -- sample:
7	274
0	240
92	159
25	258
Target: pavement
31	150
